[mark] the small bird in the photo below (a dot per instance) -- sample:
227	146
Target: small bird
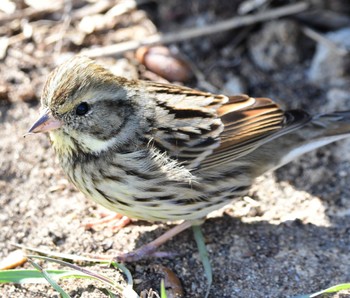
162	152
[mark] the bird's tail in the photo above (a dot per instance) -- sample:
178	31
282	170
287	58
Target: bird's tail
319	131
337	123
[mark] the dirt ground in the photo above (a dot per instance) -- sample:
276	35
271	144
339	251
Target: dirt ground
289	236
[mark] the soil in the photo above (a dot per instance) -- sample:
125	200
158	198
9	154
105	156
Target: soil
289	236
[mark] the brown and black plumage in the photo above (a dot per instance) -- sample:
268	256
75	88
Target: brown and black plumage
162	152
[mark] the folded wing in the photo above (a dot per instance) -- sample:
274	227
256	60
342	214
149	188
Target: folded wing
203	130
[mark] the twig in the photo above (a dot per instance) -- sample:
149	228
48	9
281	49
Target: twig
98	7
320	38
113	7
250	5
202	81
66	20
232	23
29	13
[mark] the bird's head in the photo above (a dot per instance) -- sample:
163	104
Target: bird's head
86	108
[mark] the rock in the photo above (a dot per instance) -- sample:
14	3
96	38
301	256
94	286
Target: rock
338	100
330	67
123	67
275	45
234	85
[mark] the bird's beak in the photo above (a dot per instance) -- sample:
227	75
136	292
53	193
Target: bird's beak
46	122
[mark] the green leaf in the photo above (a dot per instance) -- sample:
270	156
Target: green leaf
86	272
162	289
332	289
124	270
111	294
203	253
128	291
50	280
34	276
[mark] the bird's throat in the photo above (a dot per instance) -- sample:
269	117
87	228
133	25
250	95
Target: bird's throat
62	143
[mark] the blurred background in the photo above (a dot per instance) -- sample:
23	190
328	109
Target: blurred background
253	46
289	236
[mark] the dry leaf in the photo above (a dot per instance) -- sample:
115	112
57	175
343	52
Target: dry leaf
13	260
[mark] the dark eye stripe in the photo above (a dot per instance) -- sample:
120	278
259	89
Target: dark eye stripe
82	109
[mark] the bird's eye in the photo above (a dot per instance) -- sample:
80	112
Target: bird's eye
82	109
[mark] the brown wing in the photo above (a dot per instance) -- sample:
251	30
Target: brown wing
187	125
248	123
203	129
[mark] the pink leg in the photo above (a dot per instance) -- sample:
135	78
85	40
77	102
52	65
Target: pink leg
150	248
107	217
121	223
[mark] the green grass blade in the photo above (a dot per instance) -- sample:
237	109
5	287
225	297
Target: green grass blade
332	289
112	295
80	272
203	253
125	271
47	276
74	258
34	276
128	291
85	271
162	289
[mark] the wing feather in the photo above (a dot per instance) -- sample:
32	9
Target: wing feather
205	130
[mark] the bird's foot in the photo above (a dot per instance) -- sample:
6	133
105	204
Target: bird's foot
150	249
115	220
144	252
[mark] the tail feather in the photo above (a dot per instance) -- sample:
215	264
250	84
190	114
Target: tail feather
334	123
319	131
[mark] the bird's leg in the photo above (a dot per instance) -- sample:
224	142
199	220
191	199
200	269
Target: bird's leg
120	221
149	250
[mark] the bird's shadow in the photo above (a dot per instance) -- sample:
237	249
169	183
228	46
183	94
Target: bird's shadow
289	258
321	175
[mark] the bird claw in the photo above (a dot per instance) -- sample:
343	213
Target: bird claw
118	221
147	251
138	254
